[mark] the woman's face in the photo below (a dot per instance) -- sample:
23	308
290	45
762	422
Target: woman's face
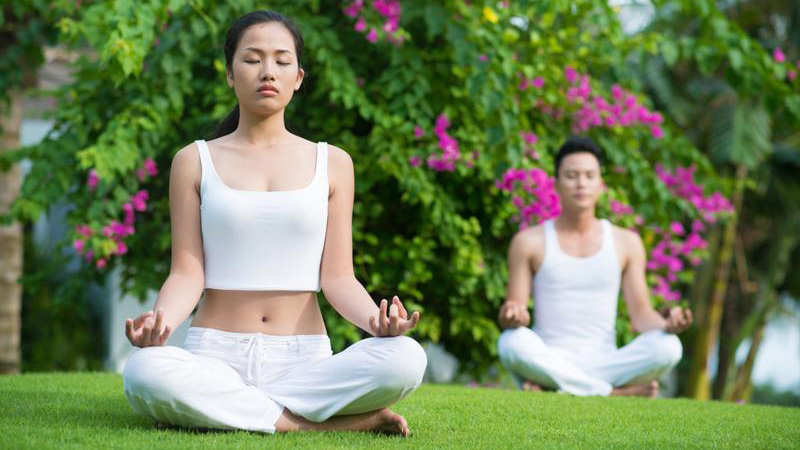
264	71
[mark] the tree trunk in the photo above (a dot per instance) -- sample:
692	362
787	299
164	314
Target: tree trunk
10	244
743	385
726	353
783	244
699	386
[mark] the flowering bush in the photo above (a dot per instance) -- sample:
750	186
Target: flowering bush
452	112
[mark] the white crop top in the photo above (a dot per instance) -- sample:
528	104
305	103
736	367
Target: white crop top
263	240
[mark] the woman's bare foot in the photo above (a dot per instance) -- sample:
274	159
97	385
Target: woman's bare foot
384	421
640	390
530	386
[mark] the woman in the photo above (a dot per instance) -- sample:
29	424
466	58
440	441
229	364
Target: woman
259	239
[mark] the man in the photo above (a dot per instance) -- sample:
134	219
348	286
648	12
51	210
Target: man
576	264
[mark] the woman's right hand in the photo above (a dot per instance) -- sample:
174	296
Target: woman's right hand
147	330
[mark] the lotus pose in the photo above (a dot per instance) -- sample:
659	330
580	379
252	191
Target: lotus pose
576	264
261	221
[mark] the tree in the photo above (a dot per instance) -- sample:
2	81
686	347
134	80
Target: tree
451	111
24	28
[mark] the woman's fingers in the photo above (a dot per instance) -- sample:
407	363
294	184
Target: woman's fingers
384	320
129	329
414	320
374	327
403	312
137	322
147	329
394	325
155	333
164	336
689	316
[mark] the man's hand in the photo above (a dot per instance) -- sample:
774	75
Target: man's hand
146	330
514	314
396	323
678	319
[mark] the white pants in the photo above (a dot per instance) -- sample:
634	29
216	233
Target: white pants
527	357
243	381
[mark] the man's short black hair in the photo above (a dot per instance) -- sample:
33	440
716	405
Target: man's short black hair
578	144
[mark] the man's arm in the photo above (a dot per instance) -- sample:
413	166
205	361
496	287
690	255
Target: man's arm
634	288
521	254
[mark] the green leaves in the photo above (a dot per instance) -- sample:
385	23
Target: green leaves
740	133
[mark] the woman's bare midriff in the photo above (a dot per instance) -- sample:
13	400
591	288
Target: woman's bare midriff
279	313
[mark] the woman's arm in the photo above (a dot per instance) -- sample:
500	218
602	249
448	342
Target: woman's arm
183	287
337	277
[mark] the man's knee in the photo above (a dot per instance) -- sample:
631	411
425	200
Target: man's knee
514	342
669	349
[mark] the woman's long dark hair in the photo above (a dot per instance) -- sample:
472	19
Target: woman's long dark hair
235	32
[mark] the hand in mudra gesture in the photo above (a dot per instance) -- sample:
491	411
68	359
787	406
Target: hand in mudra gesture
678	319
147	330
514	314
396	322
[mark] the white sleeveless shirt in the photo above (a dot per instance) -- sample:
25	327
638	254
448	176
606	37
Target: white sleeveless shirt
263	240
575	298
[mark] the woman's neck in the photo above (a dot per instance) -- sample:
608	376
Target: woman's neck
261	131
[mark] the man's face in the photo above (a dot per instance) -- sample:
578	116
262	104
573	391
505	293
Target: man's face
579	182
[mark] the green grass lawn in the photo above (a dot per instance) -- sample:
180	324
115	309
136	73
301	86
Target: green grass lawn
88	410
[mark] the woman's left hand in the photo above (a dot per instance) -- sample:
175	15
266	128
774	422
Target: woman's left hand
396	322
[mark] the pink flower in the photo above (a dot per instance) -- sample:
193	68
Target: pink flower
139	201
538	82
372	36
101	263
657	132
121	248
390	26
791	75
483	57
415	161
677	228
150	167
354	8
93	179
778	55
83	230
529	137
141	174
570	74
418	132
78	245
360	25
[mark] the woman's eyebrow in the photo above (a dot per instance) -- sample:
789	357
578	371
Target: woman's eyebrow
261	52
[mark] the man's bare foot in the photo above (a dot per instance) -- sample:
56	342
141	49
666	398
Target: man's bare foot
640	390
530	386
383	421
389	422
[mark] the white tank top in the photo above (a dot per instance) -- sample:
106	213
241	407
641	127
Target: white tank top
575	299
263	240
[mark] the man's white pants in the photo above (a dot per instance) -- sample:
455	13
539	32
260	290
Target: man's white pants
647	357
244	380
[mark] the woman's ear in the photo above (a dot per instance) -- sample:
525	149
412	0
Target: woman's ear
229	77
300	76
